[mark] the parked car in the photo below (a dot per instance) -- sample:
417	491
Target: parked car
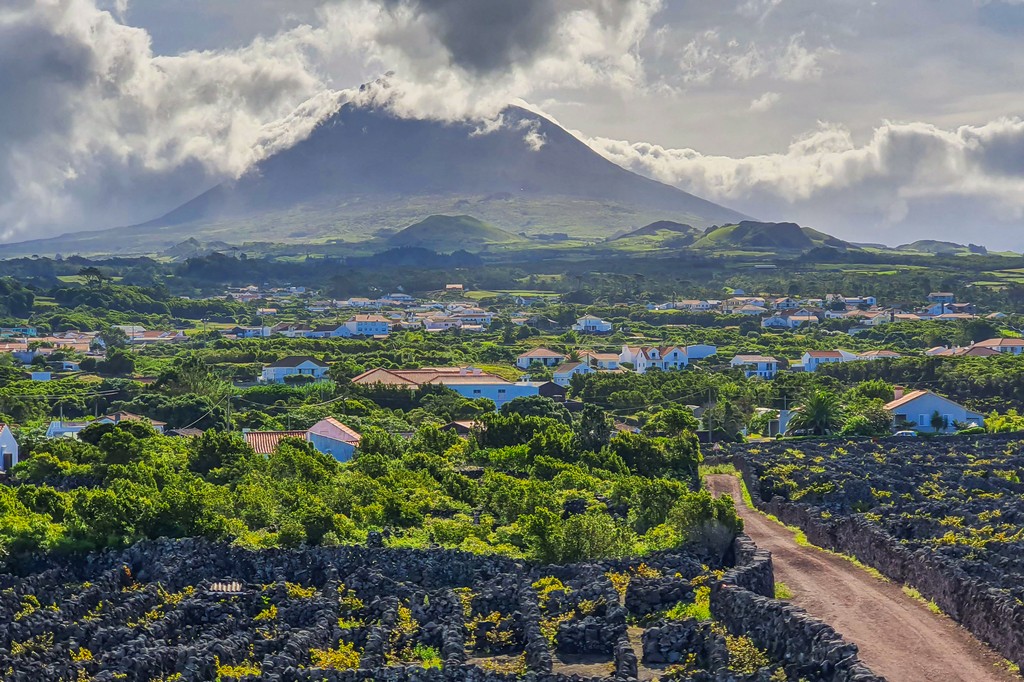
906	434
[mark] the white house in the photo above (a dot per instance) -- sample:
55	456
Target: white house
645	358
941	297
563	374
548	358
293	365
469	382
1009	346
920	407
605	361
813	359
365	325
475	317
588	324
251	332
776	321
763	366
8	448
785	303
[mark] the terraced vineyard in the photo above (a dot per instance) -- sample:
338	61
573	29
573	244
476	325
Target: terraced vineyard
191	610
945	516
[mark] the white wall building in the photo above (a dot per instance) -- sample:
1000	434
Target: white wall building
365	325
813	359
544	356
762	366
920	407
8	448
588	324
563	374
294	365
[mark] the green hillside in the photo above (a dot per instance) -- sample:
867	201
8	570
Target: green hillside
663	234
940	248
754	236
444	233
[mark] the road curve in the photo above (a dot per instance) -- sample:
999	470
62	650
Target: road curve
898	637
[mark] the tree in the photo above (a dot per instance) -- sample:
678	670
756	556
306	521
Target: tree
119	362
537	406
113	337
939	422
820	415
673	421
593	428
92	275
867	418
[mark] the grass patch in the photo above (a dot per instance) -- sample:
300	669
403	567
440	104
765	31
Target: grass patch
914	594
1009	667
711	469
782	591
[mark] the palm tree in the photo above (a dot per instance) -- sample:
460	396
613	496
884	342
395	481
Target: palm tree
820	415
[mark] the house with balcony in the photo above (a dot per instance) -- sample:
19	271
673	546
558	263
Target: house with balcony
589	324
763	366
544	356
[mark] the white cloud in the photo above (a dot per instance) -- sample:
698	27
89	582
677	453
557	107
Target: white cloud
97	130
765	102
827	178
709	55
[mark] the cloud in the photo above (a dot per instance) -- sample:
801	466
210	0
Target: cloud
765	102
90	116
97	130
709	55
897	177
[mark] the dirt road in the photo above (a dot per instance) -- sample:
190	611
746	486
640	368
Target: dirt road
898	637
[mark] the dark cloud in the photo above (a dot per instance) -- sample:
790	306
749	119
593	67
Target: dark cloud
484	36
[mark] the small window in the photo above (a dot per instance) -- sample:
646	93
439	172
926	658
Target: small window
476	391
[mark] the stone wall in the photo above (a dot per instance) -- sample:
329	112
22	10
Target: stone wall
743	601
988	614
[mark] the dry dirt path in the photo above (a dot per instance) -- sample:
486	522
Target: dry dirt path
898	637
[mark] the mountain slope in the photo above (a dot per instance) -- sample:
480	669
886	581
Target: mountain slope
363	169
362	151
444	234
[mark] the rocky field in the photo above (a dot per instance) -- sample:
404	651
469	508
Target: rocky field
191	610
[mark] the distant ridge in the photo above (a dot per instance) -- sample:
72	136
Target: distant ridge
937	247
756	236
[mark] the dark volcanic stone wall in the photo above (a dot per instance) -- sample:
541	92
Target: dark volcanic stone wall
744	602
990	614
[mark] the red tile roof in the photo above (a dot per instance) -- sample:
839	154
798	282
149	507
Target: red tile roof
265	442
824	354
